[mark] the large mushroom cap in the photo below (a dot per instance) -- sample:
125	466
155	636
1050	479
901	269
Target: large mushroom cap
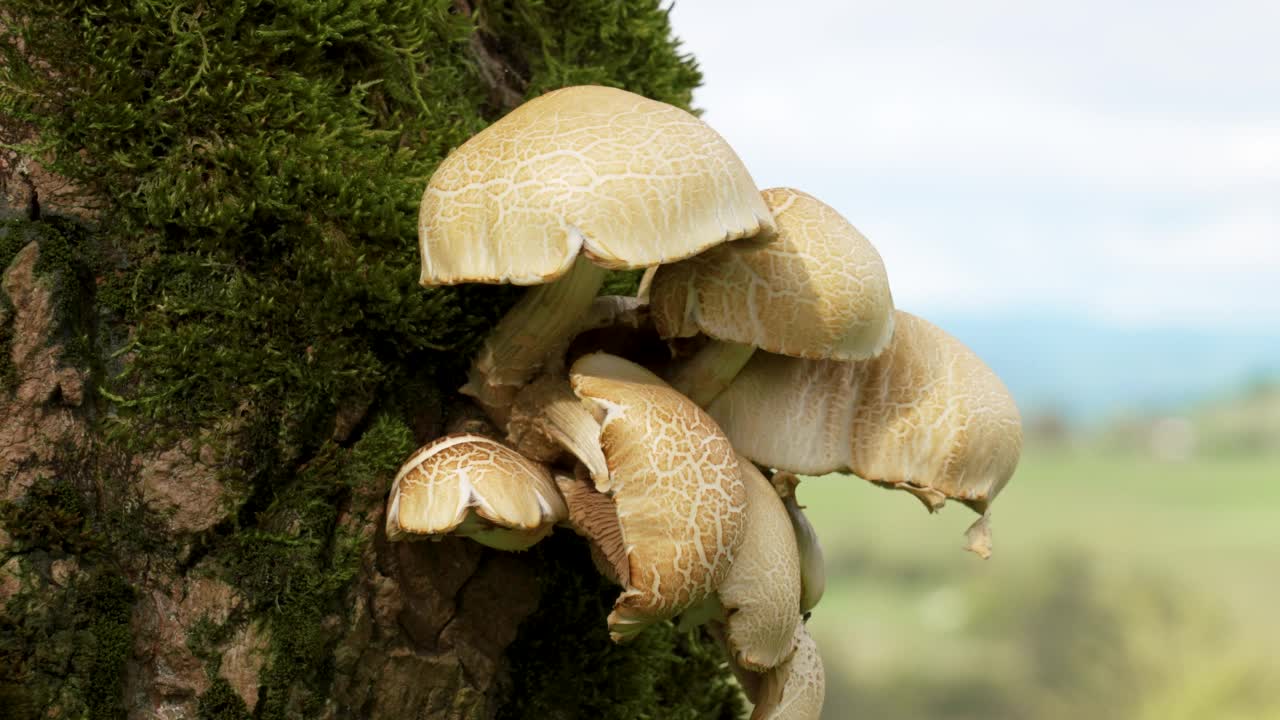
926	416
474	486
632	182
817	290
677	486
761	593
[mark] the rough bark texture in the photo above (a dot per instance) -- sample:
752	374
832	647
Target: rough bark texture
213	357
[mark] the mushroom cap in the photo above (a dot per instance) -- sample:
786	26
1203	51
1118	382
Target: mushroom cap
677	486
806	684
926	416
817	290
761	593
630	181
475	486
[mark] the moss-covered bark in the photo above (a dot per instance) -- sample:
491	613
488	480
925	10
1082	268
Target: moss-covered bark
238	357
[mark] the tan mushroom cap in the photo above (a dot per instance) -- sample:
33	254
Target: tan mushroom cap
474	486
806	685
926	416
761	593
677	486
817	290
631	182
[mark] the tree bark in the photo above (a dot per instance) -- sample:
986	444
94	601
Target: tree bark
213	356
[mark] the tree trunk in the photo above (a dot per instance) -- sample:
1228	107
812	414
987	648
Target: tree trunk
214	355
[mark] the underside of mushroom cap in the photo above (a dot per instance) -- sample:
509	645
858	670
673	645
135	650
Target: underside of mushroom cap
593	515
761	593
817	290
926	416
678	489
475	486
631	182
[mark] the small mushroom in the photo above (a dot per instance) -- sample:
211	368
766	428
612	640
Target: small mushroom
676	485
761	593
794	690
476	487
813	573
806	682
566	185
926	416
818	290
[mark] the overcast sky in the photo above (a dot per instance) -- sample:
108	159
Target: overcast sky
1120	160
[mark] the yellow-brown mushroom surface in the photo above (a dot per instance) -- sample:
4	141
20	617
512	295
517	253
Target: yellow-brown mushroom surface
677	485
630	181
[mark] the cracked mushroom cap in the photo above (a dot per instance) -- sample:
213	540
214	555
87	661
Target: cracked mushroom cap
817	290
926	416
806	684
677	486
629	181
761	593
474	486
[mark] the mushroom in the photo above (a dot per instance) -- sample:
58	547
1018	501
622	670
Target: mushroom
794	690
760	595
806	683
817	290
813	573
675	486
473	486
926	416
568	184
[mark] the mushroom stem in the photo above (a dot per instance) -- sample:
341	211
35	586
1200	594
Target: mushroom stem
518	347
705	375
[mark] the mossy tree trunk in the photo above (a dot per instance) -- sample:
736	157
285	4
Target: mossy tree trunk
214	355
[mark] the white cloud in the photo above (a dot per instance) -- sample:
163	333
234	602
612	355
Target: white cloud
1122	160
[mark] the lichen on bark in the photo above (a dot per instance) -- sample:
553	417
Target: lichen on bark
240	357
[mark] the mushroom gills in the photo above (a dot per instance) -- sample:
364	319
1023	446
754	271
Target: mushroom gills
593	515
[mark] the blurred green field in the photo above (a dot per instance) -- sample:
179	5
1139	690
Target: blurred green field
1121	587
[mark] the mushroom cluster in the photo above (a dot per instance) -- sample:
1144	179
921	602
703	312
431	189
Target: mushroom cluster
669	429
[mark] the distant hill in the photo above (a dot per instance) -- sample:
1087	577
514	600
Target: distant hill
1089	371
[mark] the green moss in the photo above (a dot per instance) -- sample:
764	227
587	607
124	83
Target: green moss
76	637
563	664
294	568
220	702
622	282
259	164
53	515
108	605
594	42
66	264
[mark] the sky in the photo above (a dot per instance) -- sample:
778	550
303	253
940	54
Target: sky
1116	162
